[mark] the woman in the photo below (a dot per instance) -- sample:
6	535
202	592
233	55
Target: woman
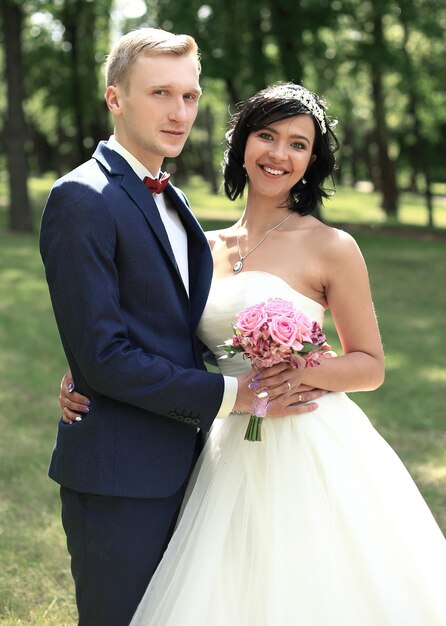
319	523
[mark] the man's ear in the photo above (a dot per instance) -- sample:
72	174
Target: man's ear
112	99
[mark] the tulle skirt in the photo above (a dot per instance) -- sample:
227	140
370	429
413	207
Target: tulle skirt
319	524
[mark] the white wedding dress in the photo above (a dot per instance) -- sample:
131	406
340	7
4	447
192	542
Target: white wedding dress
319	524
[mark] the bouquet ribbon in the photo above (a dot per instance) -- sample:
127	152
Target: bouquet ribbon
259	407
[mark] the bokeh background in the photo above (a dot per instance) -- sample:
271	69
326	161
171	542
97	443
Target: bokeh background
379	65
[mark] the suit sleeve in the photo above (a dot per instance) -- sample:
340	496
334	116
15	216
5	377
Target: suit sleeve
78	244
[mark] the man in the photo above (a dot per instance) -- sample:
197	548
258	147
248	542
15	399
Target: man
129	273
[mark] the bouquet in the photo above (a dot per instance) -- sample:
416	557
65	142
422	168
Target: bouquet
269	333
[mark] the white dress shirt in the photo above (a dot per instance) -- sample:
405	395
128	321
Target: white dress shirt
178	241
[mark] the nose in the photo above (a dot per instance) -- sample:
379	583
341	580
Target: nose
278	151
178	112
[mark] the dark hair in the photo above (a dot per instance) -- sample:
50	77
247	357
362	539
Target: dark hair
272	105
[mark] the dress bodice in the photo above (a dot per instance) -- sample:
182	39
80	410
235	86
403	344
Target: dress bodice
231	294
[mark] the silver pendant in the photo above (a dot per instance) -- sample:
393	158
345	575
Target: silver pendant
238	267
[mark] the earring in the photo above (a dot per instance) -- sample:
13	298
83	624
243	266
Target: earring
304	182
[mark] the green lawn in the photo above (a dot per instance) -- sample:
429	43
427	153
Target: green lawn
407	275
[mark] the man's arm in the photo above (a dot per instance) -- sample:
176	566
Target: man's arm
78	246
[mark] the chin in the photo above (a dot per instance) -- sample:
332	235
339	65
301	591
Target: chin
171	152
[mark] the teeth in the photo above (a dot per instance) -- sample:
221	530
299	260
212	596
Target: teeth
271	171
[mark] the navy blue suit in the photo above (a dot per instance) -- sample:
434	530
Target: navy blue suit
128	330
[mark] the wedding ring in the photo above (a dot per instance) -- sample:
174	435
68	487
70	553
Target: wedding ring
289	386
299	398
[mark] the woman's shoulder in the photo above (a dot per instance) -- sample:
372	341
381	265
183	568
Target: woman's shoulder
332	238
219	237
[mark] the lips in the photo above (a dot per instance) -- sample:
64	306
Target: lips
176	133
273	171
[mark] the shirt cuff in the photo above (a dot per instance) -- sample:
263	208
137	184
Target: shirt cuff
229	396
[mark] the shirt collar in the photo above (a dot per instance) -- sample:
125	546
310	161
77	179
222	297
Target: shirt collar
140	170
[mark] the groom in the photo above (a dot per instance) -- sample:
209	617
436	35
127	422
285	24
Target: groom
129	272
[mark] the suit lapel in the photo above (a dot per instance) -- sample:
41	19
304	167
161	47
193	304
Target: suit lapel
199	255
139	194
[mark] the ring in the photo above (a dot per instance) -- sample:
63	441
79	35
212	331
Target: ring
289	386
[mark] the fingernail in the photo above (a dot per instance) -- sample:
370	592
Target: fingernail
78	418
85	409
256	377
253	385
87	402
269	405
70	387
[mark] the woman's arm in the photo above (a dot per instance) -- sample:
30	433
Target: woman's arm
347	289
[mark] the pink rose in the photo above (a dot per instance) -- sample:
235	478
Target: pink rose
304	328
251	319
283	330
277	306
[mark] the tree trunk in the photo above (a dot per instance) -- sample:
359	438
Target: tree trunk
20	213
71	35
208	164
421	146
289	41
388	184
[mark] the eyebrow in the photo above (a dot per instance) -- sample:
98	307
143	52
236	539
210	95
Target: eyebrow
274	132
195	91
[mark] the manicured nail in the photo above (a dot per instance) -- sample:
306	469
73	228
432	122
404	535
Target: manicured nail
78	418
87	402
256	377
85	409
70	387
253	385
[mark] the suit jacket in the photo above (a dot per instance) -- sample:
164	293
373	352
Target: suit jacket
128	329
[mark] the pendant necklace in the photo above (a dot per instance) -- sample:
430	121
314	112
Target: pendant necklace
238	265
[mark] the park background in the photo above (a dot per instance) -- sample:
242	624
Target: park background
379	64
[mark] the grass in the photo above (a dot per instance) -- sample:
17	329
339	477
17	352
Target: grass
407	274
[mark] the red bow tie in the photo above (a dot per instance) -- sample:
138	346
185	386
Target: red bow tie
156	185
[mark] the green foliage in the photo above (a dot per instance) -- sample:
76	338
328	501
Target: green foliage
328	45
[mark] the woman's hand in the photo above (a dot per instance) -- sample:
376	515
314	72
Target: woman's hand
73	404
287	394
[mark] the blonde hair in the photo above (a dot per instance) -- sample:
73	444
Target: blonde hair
145	42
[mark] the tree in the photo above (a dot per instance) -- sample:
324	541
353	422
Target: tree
16	136
423	53
378	59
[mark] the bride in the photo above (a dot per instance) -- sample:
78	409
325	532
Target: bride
319	524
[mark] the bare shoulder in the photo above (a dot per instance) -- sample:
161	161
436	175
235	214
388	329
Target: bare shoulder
336	242
216	238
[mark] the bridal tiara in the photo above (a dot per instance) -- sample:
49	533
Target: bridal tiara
297	92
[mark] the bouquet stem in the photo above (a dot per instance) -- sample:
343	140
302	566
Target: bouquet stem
260	405
254	430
